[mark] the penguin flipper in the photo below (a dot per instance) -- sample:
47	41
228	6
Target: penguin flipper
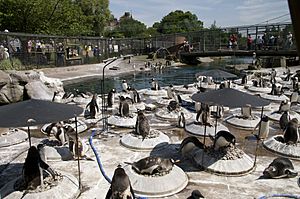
290	174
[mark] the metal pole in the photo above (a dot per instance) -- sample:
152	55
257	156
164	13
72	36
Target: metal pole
29	136
258	137
78	159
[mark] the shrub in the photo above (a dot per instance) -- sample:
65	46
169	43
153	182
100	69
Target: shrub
10	64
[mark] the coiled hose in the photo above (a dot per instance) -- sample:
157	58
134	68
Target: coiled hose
99	161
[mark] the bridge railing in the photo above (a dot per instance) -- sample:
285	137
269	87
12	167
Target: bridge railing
36	51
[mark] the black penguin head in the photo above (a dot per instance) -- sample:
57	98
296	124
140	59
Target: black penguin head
196	194
40	146
124	81
270	172
265	118
113	90
122	98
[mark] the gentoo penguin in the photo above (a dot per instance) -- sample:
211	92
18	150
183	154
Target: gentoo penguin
123	107
223	139
188	144
152	165
142	126
154	85
284	120
263	131
51	129
93	106
124	85
280	168
196	194
111	97
134	95
61	135
181	120
273	76
120	187
33	167
291	134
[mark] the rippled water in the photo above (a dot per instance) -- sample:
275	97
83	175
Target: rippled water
173	75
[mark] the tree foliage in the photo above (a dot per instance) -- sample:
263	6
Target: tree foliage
178	21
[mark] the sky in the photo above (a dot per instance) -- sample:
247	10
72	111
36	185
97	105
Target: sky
226	13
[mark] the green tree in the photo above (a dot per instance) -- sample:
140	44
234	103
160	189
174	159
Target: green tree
62	17
178	21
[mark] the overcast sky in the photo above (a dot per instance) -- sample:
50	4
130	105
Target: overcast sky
225	12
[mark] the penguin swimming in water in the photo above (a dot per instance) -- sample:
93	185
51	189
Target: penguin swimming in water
181	120
124	85
111	97
280	168
93	106
123	107
223	139
33	167
188	144
152	165
284	120
291	133
120	187
142	126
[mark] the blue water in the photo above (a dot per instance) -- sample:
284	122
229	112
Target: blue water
172	75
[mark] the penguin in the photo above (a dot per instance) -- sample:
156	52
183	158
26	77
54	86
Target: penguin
196	194
51	129
120	187
142	126
111	97
294	98
263	128
280	168
170	93
244	80
152	165
284	106
200	109
154	85
93	106
123	107
284	120
188	144
223	139
33	169
124	85
181	120
291	134
173	106
134	95
61	135
41	149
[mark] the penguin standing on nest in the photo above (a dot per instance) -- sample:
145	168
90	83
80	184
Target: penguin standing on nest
284	120
291	133
223	139
111	97
120	187
123	107
33	169
93	106
134	95
142	126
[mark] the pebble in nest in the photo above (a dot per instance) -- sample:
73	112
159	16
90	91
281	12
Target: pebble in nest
154	166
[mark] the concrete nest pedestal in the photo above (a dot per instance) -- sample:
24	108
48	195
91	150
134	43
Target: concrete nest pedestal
259	89
276	116
275	98
172	116
274	145
189	90
157	186
240	123
198	130
66	188
126	122
12	137
162	93
228	167
135	142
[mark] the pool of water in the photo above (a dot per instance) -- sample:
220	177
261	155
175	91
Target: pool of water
172	75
